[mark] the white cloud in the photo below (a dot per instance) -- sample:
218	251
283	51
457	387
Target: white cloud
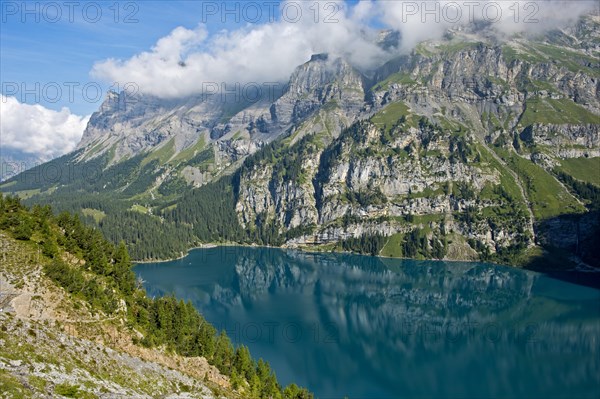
39	131
263	53
420	21
181	62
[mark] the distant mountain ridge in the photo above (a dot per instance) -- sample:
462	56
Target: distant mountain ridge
467	148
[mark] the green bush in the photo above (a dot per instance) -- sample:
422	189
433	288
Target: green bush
65	389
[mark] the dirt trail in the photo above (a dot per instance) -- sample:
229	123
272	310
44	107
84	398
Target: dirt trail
39	301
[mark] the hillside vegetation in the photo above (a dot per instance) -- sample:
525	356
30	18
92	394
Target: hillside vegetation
75	322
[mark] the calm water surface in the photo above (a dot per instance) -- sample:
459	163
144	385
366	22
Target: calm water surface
362	327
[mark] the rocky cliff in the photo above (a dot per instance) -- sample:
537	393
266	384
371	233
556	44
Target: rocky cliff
450	130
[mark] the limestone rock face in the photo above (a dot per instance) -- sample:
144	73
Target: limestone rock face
368	180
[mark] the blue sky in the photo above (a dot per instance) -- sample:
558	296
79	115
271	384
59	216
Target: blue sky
41	51
35	49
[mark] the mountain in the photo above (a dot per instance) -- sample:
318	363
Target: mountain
470	147
13	162
128	124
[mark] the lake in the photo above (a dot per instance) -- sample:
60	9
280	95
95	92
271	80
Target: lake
364	327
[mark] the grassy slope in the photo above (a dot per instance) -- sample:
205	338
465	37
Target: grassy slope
390	115
548	197
163	154
584	169
98	215
393	248
398	78
555	111
191	151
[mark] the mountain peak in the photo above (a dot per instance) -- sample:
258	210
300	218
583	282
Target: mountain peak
389	39
319	57
110	102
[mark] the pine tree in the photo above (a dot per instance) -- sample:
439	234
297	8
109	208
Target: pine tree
243	362
24	229
122	269
49	247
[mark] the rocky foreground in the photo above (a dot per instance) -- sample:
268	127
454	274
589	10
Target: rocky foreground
53	345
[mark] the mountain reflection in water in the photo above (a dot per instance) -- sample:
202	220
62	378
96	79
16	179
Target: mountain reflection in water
364	327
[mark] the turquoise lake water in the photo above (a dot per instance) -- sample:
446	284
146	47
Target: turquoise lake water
373	328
